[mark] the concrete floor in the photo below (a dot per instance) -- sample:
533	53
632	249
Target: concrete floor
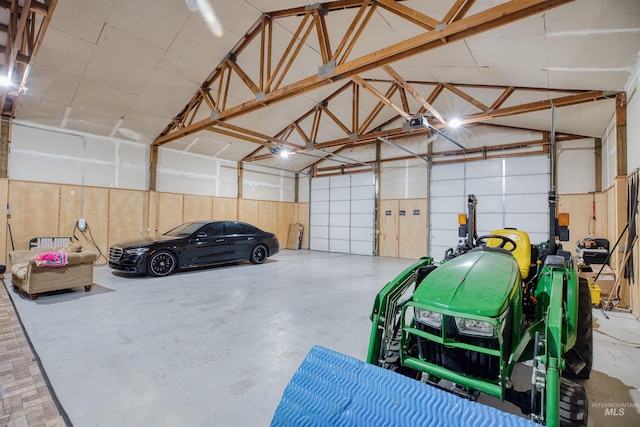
217	347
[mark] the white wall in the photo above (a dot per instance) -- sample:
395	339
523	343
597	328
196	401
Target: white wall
268	184
404	179
576	167
181	172
46	155
56	156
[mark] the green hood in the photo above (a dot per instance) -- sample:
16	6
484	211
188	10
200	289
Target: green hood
480	283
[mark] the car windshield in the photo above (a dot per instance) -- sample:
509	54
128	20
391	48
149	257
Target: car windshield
184	229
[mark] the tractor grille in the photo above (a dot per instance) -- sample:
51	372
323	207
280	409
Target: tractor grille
115	254
467	362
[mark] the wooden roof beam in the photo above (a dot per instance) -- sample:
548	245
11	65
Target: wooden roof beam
472	25
413	92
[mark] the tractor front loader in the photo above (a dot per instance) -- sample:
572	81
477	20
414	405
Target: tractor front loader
493	302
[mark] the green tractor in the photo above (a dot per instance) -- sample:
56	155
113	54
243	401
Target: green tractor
493	302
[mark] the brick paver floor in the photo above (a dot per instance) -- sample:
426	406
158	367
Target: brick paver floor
25	400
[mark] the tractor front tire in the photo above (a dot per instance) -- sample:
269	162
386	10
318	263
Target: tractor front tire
392	361
582	351
573	407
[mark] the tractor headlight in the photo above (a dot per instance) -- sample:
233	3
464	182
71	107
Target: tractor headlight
428	317
136	251
472	327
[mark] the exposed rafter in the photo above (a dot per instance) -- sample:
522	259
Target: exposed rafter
23	36
455	25
369	134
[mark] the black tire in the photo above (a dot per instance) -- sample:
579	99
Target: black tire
392	361
259	254
573	406
161	263
582	352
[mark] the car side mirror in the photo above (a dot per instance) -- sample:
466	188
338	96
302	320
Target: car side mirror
201	234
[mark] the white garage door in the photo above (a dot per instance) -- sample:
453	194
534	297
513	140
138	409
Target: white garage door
511	192
342	214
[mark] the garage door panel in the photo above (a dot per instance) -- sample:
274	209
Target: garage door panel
538	203
489	186
318	244
490	204
527	166
362	220
319	232
342	210
362	248
340	181
361	234
319	183
485	169
341	207
341	246
447	188
319	207
363	193
339	233
340	194
447	172
511	192
526	184
448	205
537	238
363	206
362	180
488	222
529	222
319	220
320	195
443	221
339	219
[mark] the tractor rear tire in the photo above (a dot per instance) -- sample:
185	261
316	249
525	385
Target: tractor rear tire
573	406
582	351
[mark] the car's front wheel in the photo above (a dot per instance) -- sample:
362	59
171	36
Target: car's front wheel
162	263
258	254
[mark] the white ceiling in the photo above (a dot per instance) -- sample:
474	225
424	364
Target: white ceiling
109	65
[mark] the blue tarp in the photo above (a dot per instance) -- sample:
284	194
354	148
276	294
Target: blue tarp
332	389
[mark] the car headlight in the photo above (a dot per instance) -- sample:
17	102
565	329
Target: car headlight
428	317
136	251
472	327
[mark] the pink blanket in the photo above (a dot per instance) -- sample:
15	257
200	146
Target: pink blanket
51	259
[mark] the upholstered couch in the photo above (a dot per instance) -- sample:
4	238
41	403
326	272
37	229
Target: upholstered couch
34	280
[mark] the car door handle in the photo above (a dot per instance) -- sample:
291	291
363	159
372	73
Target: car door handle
219	240
250	238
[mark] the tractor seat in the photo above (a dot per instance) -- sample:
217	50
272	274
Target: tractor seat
522	253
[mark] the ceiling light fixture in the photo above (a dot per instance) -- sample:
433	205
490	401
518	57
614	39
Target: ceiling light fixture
454	123
5	81
192	5
208	14
284	154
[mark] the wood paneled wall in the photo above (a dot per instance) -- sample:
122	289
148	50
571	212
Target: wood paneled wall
404	232
113	215
581	221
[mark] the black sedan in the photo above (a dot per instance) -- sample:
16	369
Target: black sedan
193	244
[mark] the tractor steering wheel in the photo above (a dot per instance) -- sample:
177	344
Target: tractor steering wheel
482	241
